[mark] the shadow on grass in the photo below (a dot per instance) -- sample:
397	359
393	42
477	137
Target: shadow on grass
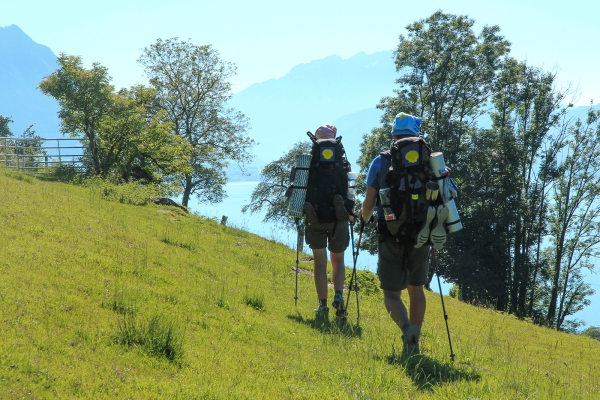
426	372
325	324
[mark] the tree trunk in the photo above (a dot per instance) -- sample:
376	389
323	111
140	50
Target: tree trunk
555	283
187	190
517	268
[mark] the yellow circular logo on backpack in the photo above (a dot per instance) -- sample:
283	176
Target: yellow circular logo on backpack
412	156
327	154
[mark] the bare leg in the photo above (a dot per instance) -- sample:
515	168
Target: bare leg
395	307
338	270
320	256
417	305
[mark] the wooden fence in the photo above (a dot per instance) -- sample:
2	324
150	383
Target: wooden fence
34	155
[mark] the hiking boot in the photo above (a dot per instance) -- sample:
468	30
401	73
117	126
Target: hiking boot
438	234
322	310
423	235
410	339
341	214
338	304
311	216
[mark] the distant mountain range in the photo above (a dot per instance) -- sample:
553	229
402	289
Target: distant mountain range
343	92
327	91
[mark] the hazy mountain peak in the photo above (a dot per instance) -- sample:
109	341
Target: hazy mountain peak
16	46
23	64
317	64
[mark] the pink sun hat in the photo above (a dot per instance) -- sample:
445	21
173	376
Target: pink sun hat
326	132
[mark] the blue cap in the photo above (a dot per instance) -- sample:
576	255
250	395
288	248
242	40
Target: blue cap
406	124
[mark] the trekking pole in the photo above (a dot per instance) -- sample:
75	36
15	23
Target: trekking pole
299	244
353	277
442	297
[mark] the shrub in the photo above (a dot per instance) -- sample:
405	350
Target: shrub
593	332
256	301
157	337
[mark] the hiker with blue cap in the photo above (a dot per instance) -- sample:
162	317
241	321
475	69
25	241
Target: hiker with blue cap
402	259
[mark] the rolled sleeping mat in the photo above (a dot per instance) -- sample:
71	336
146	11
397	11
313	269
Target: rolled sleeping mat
300	181
452	223
437	164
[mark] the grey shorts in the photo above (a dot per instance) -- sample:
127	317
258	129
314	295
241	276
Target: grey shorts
318	236
392	275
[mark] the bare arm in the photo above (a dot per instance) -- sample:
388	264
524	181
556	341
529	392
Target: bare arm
368	206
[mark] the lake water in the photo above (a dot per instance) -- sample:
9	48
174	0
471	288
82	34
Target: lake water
239	195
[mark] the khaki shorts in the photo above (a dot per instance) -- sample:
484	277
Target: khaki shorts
390	265
318	236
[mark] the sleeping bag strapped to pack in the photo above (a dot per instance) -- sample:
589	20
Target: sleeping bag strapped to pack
403	196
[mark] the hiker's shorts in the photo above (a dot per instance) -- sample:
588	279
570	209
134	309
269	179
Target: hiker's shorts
318	236
390	265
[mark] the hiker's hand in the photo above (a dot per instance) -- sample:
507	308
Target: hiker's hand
360	217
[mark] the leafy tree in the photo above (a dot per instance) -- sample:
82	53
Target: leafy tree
535	108
478	258
269	194
4	129
575	219
593	332
84	96
191	85
28	151
126	134
136	142
505	189
5	132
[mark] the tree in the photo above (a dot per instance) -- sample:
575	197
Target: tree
191	85
575	219
135	141
30	149
4	129
269	194
126	134
505	191
84	96
593	332
27	152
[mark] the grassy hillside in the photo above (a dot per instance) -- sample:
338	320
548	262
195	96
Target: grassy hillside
100	299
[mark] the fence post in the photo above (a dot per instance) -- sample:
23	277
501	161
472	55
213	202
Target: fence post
59	158
17	155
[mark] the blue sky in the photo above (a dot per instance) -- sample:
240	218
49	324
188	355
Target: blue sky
266	38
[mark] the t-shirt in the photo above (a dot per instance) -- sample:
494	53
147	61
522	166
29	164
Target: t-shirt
374	178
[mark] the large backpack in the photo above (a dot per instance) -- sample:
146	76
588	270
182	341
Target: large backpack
408	173
327	176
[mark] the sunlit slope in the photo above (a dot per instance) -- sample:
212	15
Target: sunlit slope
101	299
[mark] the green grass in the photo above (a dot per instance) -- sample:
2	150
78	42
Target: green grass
107	299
